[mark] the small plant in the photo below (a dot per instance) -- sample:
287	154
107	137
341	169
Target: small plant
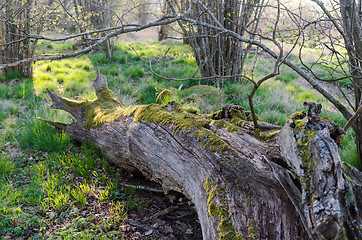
14	75
60	199
80	166
40	171
80	193
4	91
49	68
119	213
287	76
147	94
3	115
102	195
6	167
51	185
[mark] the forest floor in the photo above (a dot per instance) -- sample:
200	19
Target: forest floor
52	187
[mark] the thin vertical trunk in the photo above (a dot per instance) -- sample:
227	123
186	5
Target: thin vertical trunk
221	55
350	12
16	26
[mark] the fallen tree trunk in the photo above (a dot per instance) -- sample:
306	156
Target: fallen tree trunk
245	184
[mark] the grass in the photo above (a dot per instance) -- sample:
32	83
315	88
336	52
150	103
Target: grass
48	179
45	177
40	135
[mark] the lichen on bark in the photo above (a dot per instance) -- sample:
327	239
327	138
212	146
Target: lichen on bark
219	210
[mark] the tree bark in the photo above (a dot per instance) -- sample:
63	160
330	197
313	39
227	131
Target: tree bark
289	184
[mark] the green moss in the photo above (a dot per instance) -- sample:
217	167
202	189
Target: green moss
304	136
268	135
106	108
235	113
225	226
201	122
232	128
207	184
350	181
219	123
253	231
164	97
215	115
297	115
191	110
238	121
342	234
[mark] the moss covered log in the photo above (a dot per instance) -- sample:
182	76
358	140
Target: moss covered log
245	183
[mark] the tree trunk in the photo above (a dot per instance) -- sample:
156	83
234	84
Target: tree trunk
16	26
353	42
221	54
291	185
164	30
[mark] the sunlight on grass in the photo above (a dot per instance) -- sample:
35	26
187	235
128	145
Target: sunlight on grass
71	76
42	136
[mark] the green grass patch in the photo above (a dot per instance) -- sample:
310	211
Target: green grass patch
40	135
287	76
6	167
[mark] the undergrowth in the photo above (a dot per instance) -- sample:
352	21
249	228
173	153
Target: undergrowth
49	184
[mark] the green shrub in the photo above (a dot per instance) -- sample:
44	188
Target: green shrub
99	58
23	89
198	90
349	155
120	58
3	114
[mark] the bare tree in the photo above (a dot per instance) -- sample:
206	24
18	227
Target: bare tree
215	53
106	34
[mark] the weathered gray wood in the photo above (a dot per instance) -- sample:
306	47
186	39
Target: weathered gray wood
291	186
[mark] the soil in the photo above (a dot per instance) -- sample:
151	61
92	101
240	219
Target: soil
170	216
